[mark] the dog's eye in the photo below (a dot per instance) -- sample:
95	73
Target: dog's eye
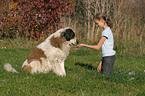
63	34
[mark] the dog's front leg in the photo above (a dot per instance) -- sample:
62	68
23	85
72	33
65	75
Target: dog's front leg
59	69
62	69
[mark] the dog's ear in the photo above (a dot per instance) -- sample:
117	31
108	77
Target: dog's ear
69	34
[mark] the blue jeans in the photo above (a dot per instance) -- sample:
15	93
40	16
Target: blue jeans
107	64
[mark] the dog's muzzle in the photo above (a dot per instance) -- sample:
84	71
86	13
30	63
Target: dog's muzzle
75	43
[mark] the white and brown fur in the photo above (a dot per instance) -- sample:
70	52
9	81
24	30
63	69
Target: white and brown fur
50	54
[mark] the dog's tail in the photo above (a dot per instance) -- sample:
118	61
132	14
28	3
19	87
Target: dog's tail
9	68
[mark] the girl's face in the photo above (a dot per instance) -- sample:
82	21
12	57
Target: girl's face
100	23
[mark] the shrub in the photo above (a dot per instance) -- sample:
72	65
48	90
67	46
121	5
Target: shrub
33	18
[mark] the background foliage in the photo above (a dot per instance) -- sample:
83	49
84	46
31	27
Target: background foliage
32	18
38	18
127	17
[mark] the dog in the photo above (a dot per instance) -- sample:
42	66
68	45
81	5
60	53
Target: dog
50	54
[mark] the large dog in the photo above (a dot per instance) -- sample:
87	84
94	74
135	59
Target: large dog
50	54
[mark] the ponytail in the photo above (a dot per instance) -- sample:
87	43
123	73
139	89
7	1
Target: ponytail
109	23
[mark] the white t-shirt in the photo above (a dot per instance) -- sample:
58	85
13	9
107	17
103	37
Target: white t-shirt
107	47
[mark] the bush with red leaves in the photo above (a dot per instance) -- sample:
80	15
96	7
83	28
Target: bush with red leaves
33	18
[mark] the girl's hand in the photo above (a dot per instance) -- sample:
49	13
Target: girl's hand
80	45
99	67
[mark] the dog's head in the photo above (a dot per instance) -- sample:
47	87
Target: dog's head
63	37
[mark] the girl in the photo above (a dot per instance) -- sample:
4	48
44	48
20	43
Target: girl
106	44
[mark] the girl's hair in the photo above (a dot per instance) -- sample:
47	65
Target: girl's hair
99	16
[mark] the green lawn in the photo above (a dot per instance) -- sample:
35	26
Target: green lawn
81	78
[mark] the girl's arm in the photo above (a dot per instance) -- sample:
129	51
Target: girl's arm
96	47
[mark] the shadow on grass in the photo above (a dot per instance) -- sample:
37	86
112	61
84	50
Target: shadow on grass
116	76
115	72
87	66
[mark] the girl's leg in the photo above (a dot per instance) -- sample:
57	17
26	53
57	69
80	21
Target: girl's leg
108	63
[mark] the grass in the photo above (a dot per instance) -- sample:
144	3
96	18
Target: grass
82	78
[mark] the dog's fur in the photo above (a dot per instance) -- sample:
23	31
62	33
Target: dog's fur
50	54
